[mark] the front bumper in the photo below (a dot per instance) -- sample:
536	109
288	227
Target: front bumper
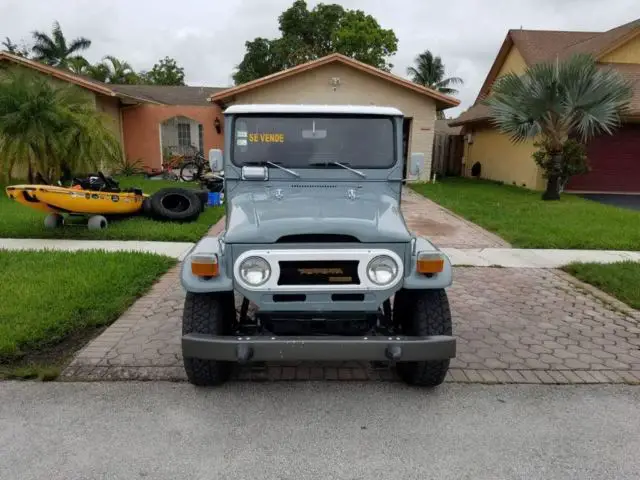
324	348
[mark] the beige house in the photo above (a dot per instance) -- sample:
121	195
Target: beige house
613	158
340	80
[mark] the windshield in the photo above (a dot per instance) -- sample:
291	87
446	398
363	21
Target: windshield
314	141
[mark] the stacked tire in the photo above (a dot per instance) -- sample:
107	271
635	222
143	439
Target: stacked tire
175	204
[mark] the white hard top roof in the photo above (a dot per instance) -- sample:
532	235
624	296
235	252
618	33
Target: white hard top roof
337	109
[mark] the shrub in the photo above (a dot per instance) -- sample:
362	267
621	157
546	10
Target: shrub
574	160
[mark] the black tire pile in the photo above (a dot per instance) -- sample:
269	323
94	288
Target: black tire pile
175	204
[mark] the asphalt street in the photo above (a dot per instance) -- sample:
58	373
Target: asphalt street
317	430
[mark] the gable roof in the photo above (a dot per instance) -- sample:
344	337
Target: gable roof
59	73
442	101
156	94
169	94
537	46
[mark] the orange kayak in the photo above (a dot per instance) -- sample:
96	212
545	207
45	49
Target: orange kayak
53	199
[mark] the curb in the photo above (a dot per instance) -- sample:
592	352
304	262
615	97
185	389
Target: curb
599	294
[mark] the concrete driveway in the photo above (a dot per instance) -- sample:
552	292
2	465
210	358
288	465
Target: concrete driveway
317	430
631	202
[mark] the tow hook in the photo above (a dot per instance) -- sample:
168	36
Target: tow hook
244	353
393	352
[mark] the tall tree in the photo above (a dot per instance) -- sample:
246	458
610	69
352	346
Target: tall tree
48	129
79	65
117	71
429	71
165	72
557	101
55	50
310	34
15	49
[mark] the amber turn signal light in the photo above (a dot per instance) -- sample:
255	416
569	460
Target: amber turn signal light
429	263
205	265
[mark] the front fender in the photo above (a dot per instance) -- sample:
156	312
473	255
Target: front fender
417	281
191	283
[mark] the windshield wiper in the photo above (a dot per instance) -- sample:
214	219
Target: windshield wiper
341	165
267	162
289	171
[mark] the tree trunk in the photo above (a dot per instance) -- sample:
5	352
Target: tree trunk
553	181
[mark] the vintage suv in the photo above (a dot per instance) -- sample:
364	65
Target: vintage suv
315	240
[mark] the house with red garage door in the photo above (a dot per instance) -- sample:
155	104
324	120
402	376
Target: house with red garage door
614	159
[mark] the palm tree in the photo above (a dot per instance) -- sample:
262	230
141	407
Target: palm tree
117	71
558	101
47	129
54	50
79	65
429	71
14	48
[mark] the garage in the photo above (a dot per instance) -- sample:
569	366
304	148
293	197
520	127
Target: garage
340	80
614	161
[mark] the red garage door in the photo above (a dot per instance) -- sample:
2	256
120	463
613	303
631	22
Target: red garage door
615	163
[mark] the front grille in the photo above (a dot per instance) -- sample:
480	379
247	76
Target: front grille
319	272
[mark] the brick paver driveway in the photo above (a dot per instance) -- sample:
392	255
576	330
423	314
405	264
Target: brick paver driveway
513	326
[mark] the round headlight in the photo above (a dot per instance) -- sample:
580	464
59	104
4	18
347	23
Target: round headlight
255	271
382	270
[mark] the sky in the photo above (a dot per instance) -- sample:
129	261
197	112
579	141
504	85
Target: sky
207	37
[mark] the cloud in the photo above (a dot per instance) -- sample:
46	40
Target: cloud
207	37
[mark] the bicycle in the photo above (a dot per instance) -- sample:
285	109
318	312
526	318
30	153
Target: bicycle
193	169
171	163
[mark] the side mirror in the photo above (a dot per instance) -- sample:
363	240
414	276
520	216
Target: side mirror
215	159
416	163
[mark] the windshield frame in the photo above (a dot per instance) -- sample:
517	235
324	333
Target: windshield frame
389	118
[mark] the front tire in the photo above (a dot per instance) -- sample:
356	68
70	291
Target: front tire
209	314
423	313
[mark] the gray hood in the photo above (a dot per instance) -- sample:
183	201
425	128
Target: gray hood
257	217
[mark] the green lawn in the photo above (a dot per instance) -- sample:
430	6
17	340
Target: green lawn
524	220
620	280
18	221
49	297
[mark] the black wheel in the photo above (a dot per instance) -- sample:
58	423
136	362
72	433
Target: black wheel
177	204
209	314
146	206
190	172
423	313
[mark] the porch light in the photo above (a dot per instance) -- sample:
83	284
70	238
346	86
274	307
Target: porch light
218	125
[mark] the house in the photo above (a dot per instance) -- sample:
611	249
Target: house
150	120
147	119
337	79
614	159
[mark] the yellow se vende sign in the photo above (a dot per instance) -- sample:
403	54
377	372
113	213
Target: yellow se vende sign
266	137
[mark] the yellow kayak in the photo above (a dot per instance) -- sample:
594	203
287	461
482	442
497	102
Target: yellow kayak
54	199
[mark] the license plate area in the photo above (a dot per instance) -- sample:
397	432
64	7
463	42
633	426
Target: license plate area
318	272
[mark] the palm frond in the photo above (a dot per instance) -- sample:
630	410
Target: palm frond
80	43
559	99
58	37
